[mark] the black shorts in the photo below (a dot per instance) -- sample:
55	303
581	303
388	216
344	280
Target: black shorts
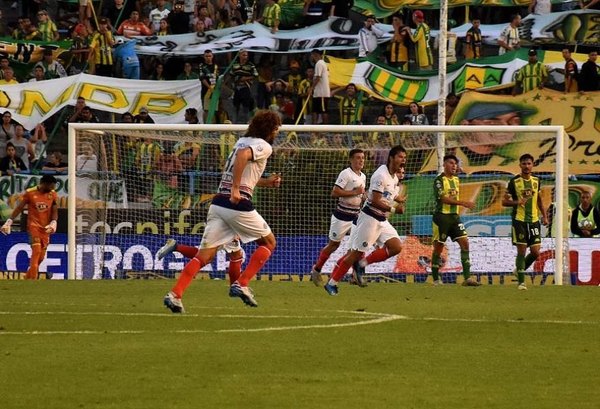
526	233
447	225
320	105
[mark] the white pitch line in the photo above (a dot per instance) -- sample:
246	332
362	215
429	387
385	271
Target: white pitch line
367	318
170	315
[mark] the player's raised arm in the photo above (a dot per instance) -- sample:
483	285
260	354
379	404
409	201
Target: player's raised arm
242	157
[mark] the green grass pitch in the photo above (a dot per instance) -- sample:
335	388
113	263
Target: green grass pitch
113	345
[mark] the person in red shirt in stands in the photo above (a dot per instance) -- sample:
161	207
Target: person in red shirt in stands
134	27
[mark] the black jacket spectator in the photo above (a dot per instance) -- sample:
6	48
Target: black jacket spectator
589	79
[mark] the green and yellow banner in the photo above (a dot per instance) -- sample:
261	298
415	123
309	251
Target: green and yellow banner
400	87
499	152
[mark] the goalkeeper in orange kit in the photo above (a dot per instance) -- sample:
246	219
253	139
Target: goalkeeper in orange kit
41	220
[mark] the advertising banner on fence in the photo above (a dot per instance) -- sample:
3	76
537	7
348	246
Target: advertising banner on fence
122	255
109	193
33	102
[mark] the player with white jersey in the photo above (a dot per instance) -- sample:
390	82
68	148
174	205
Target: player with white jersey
349	189
232	215
372	225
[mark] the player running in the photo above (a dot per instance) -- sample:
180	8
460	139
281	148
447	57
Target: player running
233	249
523	195
42	214
372	225
446	221
232	213
349	189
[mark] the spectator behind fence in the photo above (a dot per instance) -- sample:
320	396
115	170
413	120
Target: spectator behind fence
101	46
11	163
38	140
571	71
509	39
116	11
7	131
9	77
26	30
52	68
55	163
320	89
80	49
473	40
143	117
397	53
23	147
415	115
244	73
421	39
4	64
589	78
38	74
368	36
178	20
133	27
157	14
47	27
127	60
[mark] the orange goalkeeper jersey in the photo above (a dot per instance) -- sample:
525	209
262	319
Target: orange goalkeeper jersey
39	206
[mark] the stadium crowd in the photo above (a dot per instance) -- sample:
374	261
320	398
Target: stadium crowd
281	82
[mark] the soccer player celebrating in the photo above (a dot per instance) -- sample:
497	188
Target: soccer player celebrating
523	195
446	221
232	213
41	220
348	189
372	225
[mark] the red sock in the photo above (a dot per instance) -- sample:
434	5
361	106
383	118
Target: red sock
323	257
378	255
258	259
187	275
340	270
234	270
187	251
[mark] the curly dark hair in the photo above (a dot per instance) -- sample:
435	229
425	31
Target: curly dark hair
263	124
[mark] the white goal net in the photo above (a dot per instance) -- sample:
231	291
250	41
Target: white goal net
135	185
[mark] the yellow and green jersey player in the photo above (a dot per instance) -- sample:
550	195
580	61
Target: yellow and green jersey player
446	220
523	195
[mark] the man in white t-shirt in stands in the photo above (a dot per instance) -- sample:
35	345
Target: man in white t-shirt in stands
320	89
509	39
158	14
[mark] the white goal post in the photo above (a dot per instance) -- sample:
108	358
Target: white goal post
109	145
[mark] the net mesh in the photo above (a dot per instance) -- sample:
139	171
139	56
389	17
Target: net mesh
138	187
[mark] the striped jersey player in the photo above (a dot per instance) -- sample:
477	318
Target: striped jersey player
232	215
523	195
372	226
349	189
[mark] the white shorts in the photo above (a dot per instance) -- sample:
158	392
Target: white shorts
370	231
224	225
338	229
232	246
